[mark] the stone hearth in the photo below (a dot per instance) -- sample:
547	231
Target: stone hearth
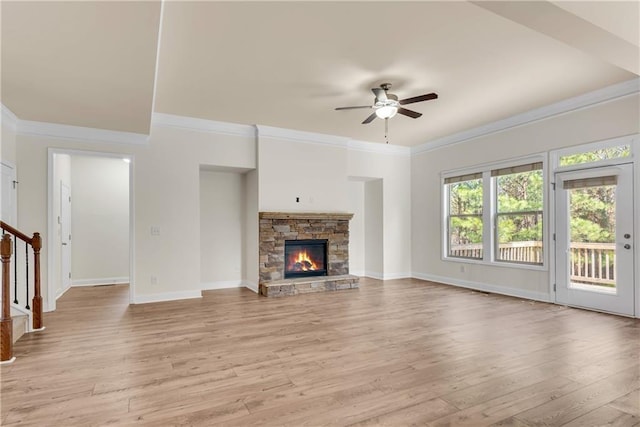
276	227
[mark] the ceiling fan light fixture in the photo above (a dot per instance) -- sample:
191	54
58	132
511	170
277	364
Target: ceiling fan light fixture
387	111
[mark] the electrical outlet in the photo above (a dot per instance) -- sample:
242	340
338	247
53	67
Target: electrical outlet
154	280
155	230
462	269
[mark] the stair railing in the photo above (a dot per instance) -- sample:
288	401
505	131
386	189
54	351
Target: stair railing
6	323
10	254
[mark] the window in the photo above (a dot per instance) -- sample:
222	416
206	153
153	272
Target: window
464	222
518	227
596	155
494	215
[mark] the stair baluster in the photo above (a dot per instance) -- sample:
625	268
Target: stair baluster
15	271
26	274
6	323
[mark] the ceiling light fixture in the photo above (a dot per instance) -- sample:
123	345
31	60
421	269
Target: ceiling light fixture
386	111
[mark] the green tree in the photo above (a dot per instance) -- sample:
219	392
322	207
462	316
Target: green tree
520	195
465	212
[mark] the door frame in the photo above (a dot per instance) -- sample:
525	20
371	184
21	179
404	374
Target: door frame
618	303
554	158
65	281
50	304
15	194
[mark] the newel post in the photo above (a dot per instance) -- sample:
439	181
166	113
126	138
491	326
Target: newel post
6	323
37	296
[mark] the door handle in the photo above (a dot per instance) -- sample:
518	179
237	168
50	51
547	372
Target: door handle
64	244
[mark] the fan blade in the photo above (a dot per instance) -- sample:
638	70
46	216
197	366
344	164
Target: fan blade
380	94
369	119
420	98
409	113
353	108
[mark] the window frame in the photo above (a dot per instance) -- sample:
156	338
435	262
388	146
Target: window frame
489	213
448	215
497	215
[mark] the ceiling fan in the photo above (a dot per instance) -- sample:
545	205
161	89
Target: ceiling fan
387	105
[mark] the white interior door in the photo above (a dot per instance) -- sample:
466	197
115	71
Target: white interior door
9	194
65	236
594	239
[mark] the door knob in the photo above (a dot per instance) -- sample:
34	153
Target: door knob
627	246
627	236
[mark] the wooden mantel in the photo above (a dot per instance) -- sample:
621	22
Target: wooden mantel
306	215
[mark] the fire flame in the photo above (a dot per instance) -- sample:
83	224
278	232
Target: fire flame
302	262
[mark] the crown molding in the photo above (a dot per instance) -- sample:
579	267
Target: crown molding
375	147
609	93
302	136
9	119
54	130
201	125
78	133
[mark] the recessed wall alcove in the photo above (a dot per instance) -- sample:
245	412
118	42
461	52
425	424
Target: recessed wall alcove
278	227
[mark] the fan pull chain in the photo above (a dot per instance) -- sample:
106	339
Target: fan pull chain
386	130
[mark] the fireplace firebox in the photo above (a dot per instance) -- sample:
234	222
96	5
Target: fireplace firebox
305	258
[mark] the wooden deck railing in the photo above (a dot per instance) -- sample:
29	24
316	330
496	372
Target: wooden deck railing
9	253
591	263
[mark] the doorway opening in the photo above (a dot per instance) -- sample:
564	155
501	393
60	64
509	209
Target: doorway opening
90	222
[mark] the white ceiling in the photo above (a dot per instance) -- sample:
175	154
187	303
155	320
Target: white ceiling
289	64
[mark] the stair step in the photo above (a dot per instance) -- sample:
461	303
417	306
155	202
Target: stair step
19	326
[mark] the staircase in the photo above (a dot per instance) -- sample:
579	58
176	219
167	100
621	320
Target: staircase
20	325
20	279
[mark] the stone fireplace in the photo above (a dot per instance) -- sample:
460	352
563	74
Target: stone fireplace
303	253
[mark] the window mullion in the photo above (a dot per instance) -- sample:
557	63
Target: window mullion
488	208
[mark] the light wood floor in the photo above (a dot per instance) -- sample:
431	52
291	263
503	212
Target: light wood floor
395	353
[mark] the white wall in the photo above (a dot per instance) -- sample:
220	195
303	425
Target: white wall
222	225
600	122
8	141
374	229
99	220
314	173
356	227
166	193
394	169
166	183
251	246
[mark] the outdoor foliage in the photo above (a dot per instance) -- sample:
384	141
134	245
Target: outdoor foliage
593	214
520	194
465	210
593	208
596	155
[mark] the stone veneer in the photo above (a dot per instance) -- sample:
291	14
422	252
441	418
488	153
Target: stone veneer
276	227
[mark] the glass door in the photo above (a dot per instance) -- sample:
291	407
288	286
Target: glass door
594	239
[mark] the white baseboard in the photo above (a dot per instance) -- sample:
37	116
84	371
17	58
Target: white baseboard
228	284
250	285
393	276
224	284
381	276
166	296
102	281
486	287
374	275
